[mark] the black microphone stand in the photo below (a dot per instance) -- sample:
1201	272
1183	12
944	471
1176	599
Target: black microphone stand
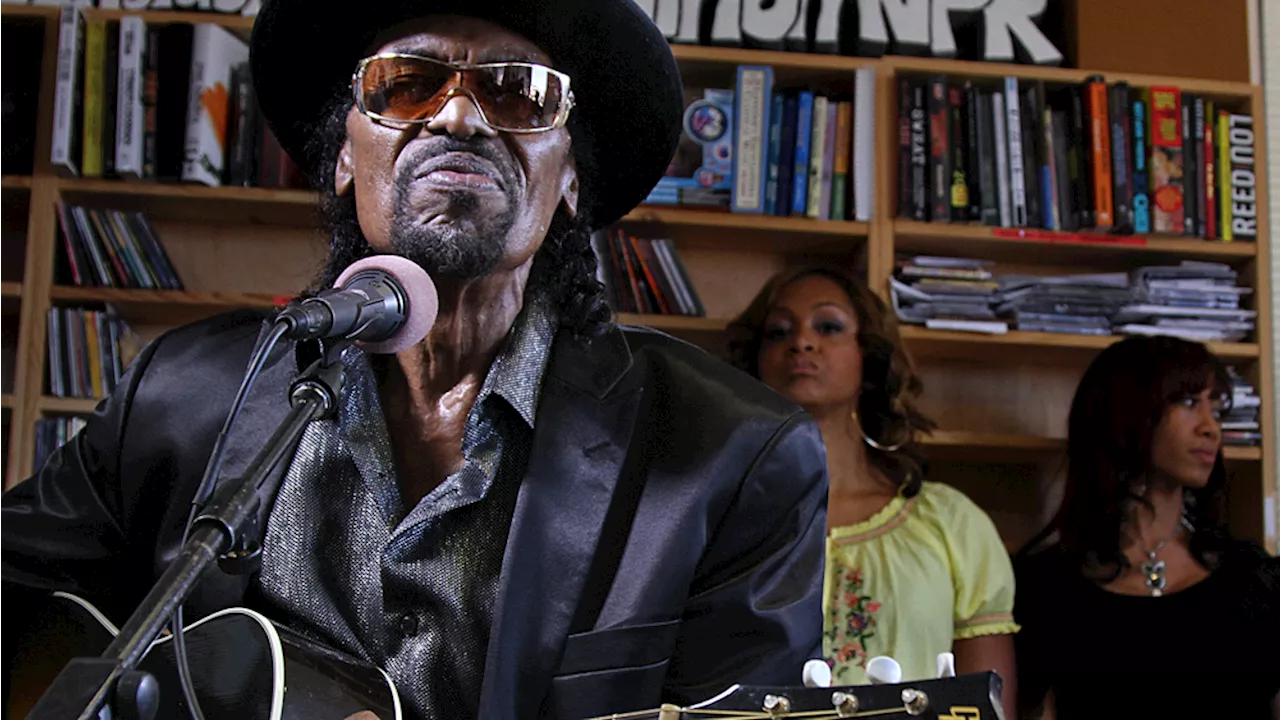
88	685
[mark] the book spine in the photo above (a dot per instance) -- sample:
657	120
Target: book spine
65	146
151	103
1000	143
864	143
1166	160
1204	128
1013	127
919	153
800	167
1048	163
1078	157
1068	219
787	155
817	156
1224	175
1141	175
1190	194
828	160
1032	152
1244	180
1197	140
904	148
939	151
959	190
95	49
110	110
973	152
987	184
840	197
214	52
1099	151
754	99
775	146
1121	149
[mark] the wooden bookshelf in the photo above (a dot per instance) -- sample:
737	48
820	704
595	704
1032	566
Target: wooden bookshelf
6	401
1001	400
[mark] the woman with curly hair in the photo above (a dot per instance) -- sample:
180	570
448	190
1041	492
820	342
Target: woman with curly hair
1135	601
914	568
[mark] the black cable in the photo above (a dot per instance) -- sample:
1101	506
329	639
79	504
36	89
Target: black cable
207	484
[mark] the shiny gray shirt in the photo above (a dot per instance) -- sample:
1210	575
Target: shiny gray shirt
411	590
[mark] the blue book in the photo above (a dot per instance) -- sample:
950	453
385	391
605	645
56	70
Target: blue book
775	149
800	166
1141	181
786	154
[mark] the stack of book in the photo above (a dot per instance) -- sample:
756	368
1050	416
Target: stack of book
644	275
795	152
1193	300
1093	156
110	248
946	293
1076	304
1240	424
88	352
171	102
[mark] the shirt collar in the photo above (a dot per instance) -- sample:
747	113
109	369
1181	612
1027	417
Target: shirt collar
516	373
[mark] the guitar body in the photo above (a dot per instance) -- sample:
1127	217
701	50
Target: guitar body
243	666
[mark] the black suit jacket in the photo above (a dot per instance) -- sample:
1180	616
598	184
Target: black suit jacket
692	496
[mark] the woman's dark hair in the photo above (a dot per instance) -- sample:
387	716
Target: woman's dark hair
890	386
1117	406
564	268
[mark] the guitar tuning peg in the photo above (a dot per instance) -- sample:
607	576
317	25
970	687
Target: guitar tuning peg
884	670
946	665
817	674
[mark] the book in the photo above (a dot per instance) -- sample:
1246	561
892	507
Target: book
1141	176
1095	94
65	153
215	52
864	142
1165	136
754	101
1244	181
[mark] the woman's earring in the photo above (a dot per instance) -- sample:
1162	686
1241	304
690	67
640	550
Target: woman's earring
872	443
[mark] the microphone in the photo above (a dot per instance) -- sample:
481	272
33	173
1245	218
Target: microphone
385	303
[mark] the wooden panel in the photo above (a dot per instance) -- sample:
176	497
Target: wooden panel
1018	399
1192	38
727	281
243	258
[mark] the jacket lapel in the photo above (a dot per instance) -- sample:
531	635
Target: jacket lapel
584	424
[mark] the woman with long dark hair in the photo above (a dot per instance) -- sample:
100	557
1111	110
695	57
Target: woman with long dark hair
914	568
1135	601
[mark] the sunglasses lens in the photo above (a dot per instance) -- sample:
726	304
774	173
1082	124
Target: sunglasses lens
513	97
403	88
517	97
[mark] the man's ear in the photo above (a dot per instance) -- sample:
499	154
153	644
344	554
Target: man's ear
569	188
344	173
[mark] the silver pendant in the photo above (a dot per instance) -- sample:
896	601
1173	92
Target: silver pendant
1153	573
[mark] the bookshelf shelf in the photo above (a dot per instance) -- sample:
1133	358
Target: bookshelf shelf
1018	346
1015	243
995	447
711	229
10	289
6	401
15	182
1213	89
67	406
197	203
164	307
675	324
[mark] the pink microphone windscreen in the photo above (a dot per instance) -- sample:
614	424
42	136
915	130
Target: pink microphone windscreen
420	291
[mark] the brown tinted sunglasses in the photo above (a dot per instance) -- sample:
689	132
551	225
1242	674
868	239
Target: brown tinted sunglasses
516	97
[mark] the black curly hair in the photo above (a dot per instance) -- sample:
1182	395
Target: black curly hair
564	267
887	402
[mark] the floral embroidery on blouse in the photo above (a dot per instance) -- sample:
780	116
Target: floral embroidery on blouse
852	623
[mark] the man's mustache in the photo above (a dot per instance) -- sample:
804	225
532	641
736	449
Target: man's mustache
485	148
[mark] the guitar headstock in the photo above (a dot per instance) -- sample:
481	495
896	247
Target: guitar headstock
974	696
967	697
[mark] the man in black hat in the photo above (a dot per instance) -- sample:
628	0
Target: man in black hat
532	512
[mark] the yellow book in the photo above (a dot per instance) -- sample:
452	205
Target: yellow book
95	102
1224	174
93	352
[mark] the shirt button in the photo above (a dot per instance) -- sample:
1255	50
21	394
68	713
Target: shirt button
408	624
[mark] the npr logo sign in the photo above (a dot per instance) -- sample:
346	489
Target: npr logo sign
1005	30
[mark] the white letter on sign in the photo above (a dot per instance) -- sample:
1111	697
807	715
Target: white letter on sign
1007	18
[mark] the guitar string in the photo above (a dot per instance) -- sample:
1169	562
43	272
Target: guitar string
749	715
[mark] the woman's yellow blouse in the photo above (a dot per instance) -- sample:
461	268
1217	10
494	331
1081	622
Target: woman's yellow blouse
908	581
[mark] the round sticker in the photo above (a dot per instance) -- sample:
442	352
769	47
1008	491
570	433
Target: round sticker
705	122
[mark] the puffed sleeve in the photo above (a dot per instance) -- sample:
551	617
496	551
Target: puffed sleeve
982	572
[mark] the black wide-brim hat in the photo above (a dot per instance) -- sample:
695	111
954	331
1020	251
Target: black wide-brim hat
628	99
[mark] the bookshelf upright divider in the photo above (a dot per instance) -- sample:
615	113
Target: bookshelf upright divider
1001	400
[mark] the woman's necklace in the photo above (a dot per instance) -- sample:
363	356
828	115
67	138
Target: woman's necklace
1153	569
